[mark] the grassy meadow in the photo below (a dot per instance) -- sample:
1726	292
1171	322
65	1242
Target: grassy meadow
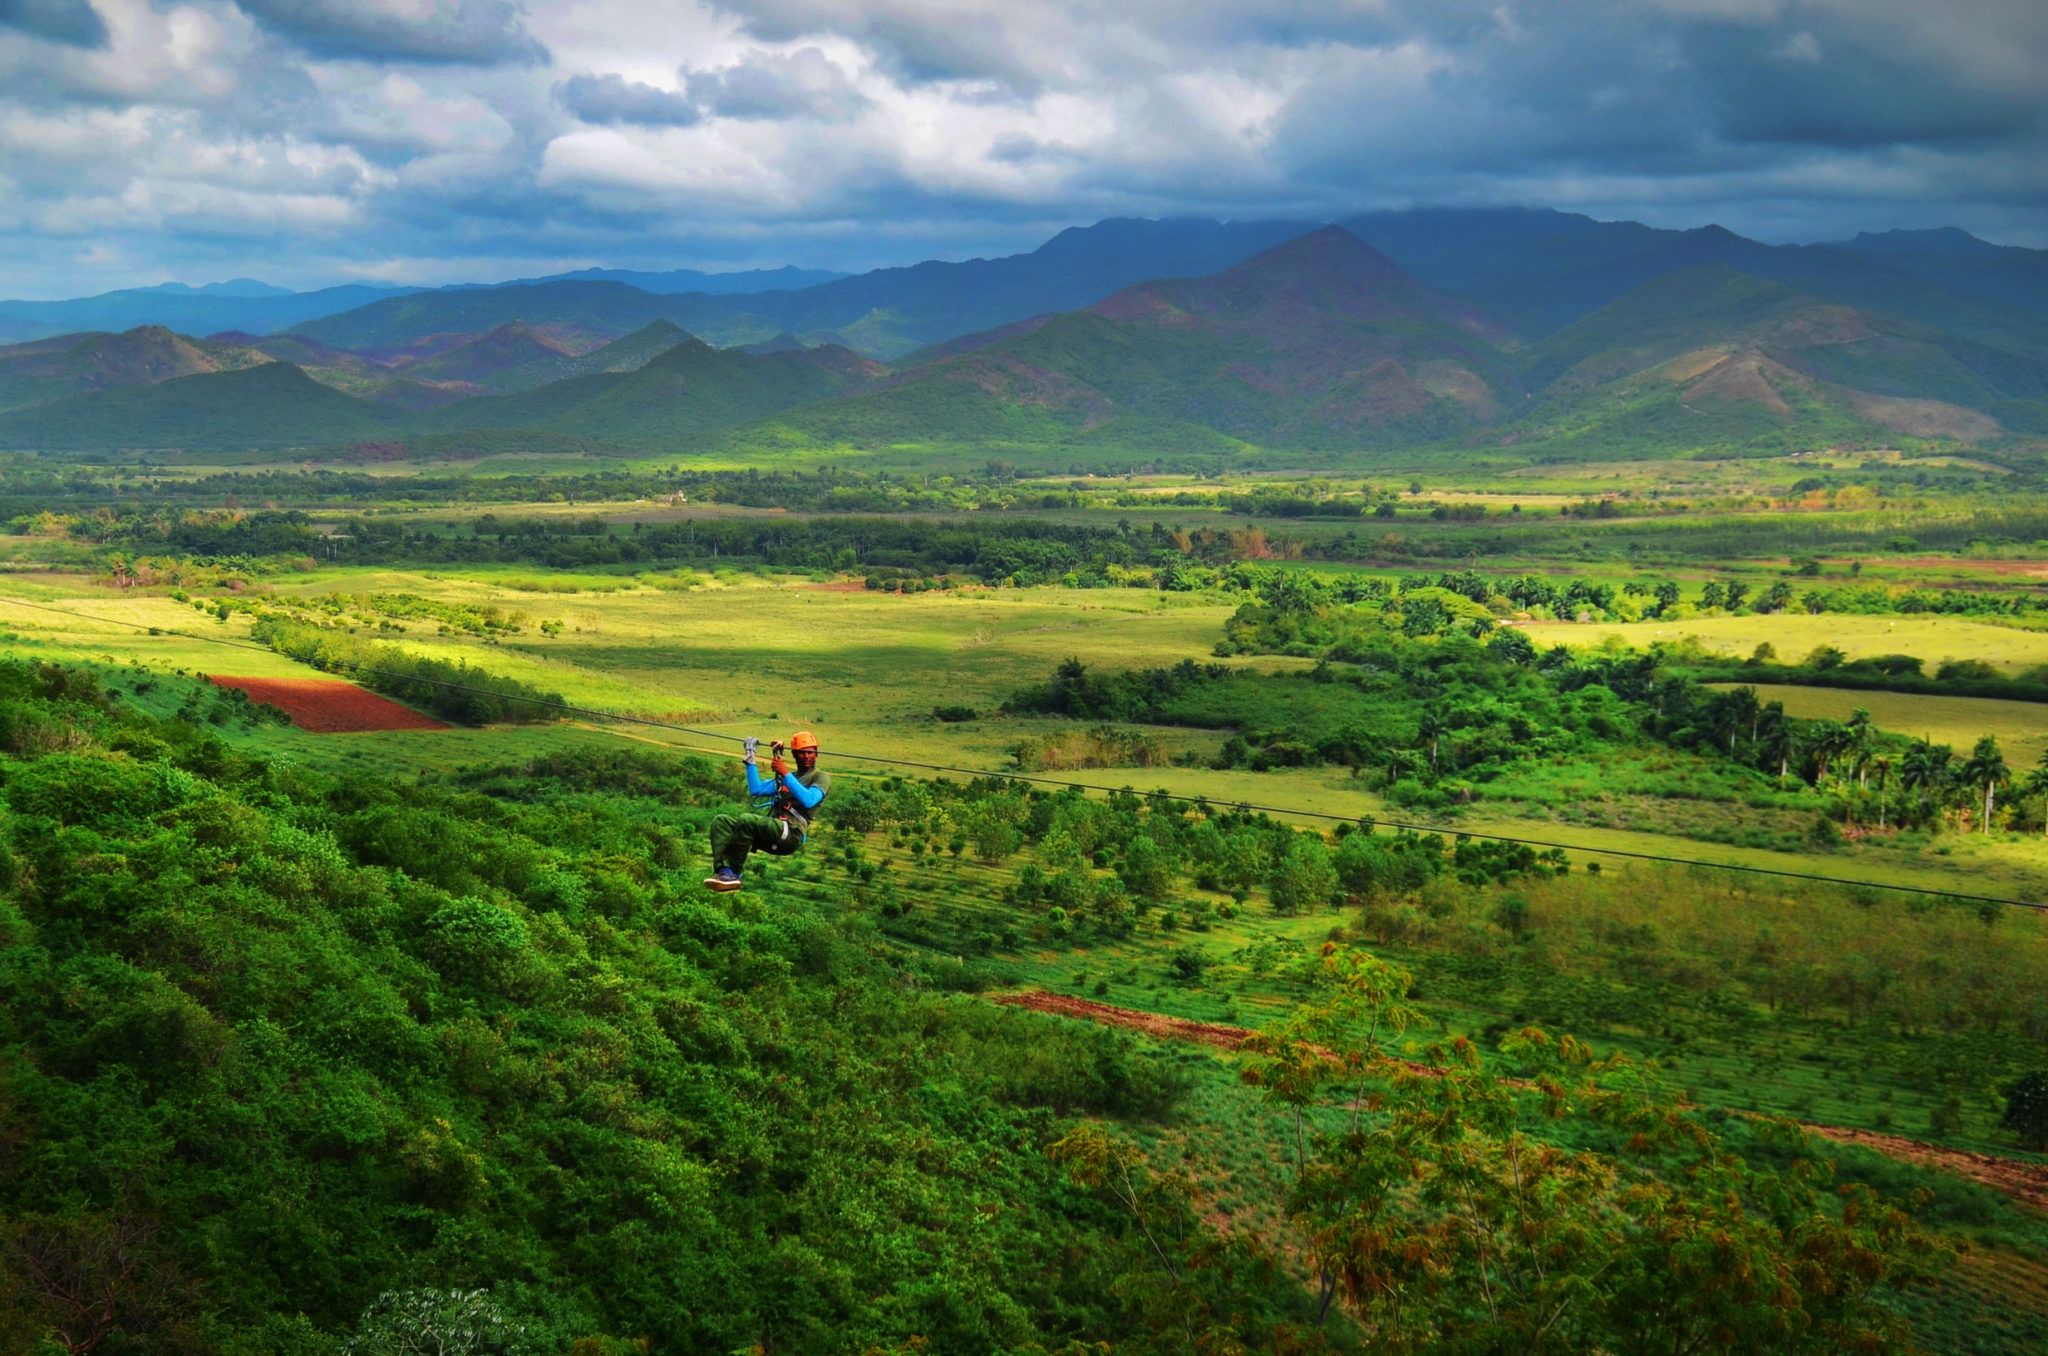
1841	1006
736	653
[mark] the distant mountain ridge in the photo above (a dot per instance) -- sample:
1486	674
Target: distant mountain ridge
1630	340
1316	341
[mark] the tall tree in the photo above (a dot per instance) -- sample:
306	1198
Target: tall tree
1987	768
1779	741
2037	785
1863	735
1925	769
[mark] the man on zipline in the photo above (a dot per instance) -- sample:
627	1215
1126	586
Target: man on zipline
783	806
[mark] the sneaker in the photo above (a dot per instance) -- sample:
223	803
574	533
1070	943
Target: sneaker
724	879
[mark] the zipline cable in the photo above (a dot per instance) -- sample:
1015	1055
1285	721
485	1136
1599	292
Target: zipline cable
978	773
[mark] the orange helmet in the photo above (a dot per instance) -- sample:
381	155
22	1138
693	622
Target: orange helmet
803	739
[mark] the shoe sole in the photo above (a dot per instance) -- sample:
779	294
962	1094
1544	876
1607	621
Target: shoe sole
724	887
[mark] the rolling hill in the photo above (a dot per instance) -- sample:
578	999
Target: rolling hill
689	389
1709	357
595	311
50	369
272	406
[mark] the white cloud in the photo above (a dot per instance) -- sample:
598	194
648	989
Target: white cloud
854	132
804	83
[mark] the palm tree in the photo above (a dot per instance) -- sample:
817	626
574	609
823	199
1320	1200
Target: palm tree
1735	709
1986	768
1830	741
2037	785
1862	743
1883	763
1432	728
1925	769
1780	742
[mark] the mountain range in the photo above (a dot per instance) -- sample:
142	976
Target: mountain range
1539	330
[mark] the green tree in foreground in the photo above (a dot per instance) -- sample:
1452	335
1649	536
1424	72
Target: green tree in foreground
2026	1110
1444	1212
2037	785
436	1323
1986	768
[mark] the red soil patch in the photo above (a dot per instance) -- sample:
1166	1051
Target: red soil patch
2024	1182
326	706
1147	1023
839	586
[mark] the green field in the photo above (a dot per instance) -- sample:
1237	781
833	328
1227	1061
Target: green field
1844	1005
742	654
1794	635
2021	727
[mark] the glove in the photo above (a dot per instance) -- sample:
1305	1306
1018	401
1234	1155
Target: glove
751	742
780	768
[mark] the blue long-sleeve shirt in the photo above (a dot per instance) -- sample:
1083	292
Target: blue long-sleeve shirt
804	792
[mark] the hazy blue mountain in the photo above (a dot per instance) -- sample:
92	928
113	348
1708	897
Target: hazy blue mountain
894	311
16	329
885	314
1949	240
193	310
233	287
1541	270
785	279
589	312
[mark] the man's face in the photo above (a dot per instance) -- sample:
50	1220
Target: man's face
806	759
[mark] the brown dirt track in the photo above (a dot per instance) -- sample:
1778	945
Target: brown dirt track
2024	1182
1145	1023
328	706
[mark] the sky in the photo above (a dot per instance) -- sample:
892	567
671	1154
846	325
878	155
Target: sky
311	142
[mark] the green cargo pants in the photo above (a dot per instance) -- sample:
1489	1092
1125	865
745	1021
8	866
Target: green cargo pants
733	836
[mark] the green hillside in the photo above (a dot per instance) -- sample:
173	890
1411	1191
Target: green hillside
498	360
1317	342
1714	305
603	310
74	364
694	388
1710	358
272	406
689	389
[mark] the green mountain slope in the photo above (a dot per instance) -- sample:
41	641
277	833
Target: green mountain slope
689	389
513	358
1319	341
884	314
272	406
1715	305
1711	359
597	311
494	361
73	364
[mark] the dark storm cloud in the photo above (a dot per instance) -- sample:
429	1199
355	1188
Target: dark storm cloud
615	100
72	22
803	83
443	139
1700	91
1815	84
460	32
